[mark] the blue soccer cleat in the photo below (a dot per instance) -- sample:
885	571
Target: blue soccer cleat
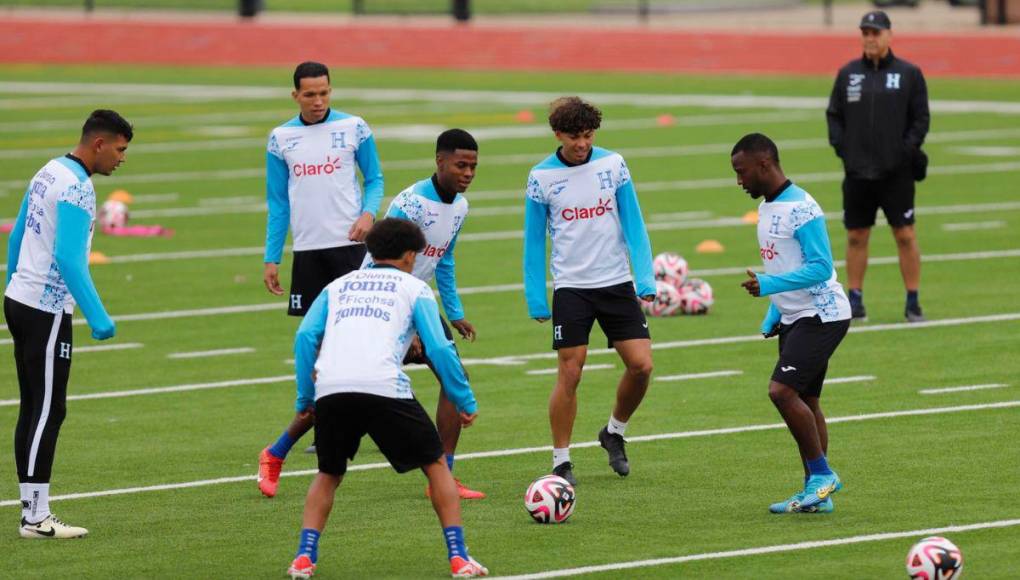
818	489
788	506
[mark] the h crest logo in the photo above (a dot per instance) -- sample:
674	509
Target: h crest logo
65	350
892	81
558	332
295	302
774	228
605	179
339	138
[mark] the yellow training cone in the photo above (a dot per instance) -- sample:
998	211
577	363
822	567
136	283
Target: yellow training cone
121	195
750	217
709	247
98	258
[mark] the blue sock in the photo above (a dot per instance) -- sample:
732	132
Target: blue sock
282	446
455	542
449	461
309	544
819	466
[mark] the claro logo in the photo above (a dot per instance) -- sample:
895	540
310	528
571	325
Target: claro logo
331	166
603	207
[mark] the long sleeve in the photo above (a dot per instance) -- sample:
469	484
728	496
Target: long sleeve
535	221
306	349
834	116
446	282
367	157
443	355
71	255
817	266
278	203
772	318
638	245
918	117
17	234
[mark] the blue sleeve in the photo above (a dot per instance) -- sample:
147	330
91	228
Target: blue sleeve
306	350
17	234
371	170
279	207
446	282
636	234
535	220
772	317
443	356
70	251
394	211
817	267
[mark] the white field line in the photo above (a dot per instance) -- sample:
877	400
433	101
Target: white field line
598	367
854	379
973	226
942	390
105	347
546	449
773	549
516	360
209	353
497	288
692	376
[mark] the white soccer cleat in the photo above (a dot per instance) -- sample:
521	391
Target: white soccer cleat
50	528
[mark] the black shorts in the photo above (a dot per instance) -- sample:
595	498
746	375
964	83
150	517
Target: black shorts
313	270
616	309
805	348
863	197
400	428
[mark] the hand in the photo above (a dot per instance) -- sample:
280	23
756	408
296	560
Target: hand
465	328
751	285
360	228
271	277
773	332
648	298
467	420
104	331
414	351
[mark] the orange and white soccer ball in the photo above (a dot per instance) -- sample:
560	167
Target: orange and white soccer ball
934	558
696	296
667	300
550	499
113	214
670	267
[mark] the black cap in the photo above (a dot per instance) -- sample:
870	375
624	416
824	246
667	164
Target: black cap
876	19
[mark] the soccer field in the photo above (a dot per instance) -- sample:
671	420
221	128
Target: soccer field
157	456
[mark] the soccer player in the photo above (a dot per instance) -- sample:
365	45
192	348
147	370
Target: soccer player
47	274
312	188
584	196
347	353
438	208
808	310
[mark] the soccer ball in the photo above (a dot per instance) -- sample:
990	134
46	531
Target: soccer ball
550	500
113	214
696	297
667	300
670	267
934	558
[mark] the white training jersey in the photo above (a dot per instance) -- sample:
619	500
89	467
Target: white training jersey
37	282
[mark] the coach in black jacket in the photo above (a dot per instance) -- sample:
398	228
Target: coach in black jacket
878	119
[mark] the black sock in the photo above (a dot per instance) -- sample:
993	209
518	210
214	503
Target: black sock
912	301
856	294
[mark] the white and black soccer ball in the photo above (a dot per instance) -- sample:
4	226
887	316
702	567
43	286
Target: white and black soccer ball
550	499
934	558
113	214
667	300
670	267
696	296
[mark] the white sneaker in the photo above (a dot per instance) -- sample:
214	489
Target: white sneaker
50	529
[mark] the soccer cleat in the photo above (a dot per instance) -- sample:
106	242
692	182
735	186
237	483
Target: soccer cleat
788	506
818	489
269	472
301	568
470	568
566	471
50	528
857	311
825	507
614	444
913	314
462	490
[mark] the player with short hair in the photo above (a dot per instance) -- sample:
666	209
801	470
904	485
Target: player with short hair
808	310
438	207
348	353
312	189
584	196
47	274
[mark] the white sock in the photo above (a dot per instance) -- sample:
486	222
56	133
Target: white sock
616	427
35	501
561	455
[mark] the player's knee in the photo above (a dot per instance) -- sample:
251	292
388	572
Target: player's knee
640	369
905	236
570	375
780	394
858	238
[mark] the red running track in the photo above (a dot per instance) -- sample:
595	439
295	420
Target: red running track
24	40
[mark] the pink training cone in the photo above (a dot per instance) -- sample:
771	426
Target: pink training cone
525	116
665	120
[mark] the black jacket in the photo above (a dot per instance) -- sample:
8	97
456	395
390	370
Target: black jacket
878	116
